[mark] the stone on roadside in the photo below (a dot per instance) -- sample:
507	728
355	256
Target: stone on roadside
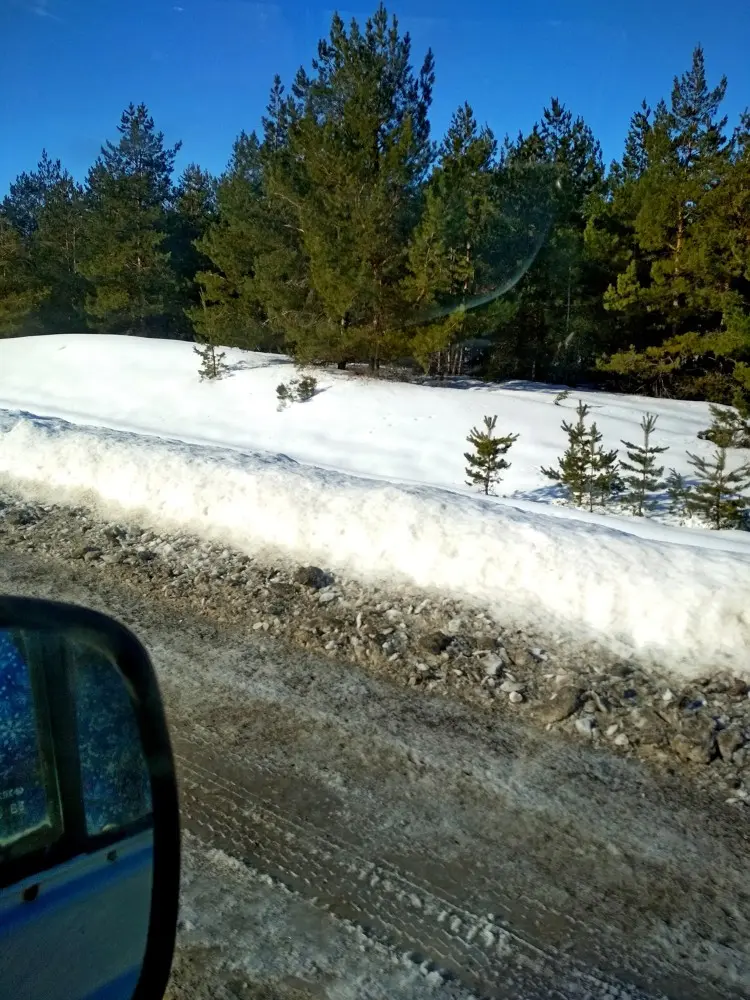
586	725
313	576
729	740
484	643
435	642
493	664
563	705
692	751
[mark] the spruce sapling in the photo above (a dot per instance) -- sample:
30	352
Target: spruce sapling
719	494
645	476
677	491
573	471
561	396
486	462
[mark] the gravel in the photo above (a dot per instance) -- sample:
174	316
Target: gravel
422	640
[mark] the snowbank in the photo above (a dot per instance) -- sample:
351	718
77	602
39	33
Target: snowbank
379	429
689	604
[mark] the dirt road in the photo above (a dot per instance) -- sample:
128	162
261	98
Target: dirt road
498	858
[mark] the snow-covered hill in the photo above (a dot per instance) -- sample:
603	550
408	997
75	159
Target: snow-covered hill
368	476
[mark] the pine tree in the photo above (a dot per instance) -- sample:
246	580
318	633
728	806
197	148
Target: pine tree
718	496
193	211
547	179
673	243
128	197
645	476
587	471
486	462
728	429
19	295
573	472
677	491
253	278
46	209
452	253
213	365
28	193
602	471
358	154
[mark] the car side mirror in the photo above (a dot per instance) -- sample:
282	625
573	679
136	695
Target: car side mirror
89	823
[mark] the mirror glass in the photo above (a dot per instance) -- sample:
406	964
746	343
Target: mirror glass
29	797
76	820
114	775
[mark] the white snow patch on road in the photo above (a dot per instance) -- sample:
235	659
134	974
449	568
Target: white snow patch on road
367	478
249	928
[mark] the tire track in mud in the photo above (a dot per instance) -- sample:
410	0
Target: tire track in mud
482	951
604	927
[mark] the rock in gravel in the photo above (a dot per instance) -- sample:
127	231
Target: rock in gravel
729	740
694	751
313	576
511	687
563	705
485	643
651	727
493	664
460	645
435	642
738	688
586	725
515	697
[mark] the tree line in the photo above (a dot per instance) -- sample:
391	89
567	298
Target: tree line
343	232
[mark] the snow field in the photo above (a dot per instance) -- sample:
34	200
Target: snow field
367	477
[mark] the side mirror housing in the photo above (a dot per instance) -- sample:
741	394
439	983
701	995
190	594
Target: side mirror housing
89	822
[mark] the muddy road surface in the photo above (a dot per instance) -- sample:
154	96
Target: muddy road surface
499	860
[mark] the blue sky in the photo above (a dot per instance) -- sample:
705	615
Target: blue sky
204	67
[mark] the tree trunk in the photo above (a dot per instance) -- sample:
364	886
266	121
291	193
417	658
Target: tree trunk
341	365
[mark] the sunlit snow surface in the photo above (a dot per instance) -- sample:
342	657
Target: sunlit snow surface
368	478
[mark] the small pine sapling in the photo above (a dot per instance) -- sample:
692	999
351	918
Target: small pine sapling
298	390
573	465
562	396
486	462
212	365
284	395
644	476
728	429
677	491
718	496
603	474
306	388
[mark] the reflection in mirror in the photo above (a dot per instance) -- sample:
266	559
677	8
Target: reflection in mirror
116	791
29	801
76	820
